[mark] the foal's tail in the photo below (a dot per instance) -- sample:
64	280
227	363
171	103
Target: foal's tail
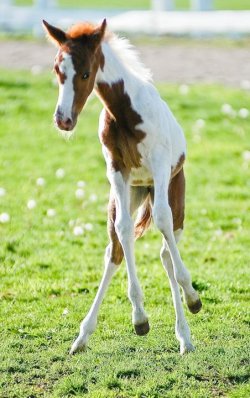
144	218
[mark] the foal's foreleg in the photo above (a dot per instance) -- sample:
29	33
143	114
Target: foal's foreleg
113	257
124	227
89	323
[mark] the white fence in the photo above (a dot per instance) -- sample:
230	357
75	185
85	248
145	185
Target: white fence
159	20
157	5
169	5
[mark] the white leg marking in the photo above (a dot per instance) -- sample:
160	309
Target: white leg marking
89	323
125	231
163	219
182	330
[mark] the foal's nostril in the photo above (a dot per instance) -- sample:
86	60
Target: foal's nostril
68	122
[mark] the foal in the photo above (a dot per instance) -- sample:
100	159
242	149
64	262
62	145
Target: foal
144	148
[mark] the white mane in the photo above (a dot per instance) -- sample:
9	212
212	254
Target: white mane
129	57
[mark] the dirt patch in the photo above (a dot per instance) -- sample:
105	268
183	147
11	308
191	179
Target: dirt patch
176	63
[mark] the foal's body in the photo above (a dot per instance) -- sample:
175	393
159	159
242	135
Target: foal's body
144	148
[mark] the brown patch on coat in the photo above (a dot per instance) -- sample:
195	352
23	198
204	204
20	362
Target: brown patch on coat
175	170
61	76
176	195
116	248
120	135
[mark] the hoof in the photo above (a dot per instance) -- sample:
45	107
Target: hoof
186	348
142	328
195	307
77	346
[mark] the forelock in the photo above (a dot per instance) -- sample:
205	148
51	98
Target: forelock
81	29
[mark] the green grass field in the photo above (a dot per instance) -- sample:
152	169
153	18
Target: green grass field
49	276
179	4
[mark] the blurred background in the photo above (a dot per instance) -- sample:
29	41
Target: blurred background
202	40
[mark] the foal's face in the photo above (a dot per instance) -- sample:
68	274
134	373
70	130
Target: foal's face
76	68
76	64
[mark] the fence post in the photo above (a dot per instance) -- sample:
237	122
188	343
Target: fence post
202	5
45	3
162	5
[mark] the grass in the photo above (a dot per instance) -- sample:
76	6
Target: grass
179	4
48	276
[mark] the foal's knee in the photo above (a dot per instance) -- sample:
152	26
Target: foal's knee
124	228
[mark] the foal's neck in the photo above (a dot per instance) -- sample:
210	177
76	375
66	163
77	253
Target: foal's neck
116	83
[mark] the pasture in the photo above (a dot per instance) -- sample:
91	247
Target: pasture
49	275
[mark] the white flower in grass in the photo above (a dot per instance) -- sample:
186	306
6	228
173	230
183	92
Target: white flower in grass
81	184
65	312
227	109
71	223
246	156
4	218
93	197
218	232
78	230
183	89
31	204
88	227
237	221
243	113
40	182
200	123
79	193
2	192
51	212
60	173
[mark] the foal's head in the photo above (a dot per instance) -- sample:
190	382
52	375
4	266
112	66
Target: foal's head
77	61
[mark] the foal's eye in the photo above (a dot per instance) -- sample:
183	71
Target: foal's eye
85	76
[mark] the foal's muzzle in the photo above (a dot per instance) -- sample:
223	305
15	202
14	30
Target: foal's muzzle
64	123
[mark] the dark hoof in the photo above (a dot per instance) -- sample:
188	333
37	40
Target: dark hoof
195	307
142	329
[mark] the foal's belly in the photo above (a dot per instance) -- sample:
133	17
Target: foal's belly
141	177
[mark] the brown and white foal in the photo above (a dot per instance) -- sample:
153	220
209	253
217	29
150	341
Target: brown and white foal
144	148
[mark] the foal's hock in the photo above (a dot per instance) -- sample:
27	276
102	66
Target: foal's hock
144	148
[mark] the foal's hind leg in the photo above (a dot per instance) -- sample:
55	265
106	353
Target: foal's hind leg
163	219
113	257
182	330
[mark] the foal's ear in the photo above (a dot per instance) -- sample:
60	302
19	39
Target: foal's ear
57	35
99	32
